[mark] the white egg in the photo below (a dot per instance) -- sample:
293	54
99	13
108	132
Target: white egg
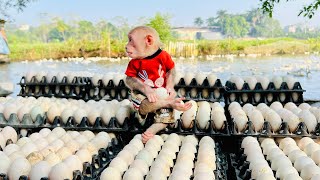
188	78
203	114
252	82
189	115
200	77
277	81
212	78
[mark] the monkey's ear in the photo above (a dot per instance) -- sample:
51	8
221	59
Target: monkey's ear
149	39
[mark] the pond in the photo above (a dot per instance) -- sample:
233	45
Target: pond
306	69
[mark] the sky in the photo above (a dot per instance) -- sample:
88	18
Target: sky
182	12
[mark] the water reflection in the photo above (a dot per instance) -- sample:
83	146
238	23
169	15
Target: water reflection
223	67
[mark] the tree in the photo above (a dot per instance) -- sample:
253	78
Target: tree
62	27
235	26
307	11
198	22
161	24
211	21
7	5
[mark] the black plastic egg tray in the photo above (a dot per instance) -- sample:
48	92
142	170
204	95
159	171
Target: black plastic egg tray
268	96
211	97
266	130
77	89
41	122
221	164
136	127
93	169
82	88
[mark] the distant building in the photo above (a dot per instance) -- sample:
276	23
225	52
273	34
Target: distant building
299	28
24	27
192	33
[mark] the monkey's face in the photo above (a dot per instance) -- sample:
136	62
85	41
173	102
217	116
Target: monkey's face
136	47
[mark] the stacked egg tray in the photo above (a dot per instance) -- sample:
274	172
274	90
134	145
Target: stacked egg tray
83	88
42	122
77	89
222	163
260	95
196	92
136	127
108	91
266	131
240	167
90	170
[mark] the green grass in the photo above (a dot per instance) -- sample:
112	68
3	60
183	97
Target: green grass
71	48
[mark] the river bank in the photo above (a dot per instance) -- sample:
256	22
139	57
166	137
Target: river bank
203	48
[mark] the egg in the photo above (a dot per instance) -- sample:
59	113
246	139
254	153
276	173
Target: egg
74	163
141	165
277	81
252	82
9	133
218	119
60	171
283	171
117	78
240	123
79	114
122	114
203	114
303	142
188	78
275	121
212	78
239	82
257	120
84	155
19	167
200	77
309	119
52	113
310	148
309	171
95	79
290	81
189	115
39	170
301	162
119	164
133	173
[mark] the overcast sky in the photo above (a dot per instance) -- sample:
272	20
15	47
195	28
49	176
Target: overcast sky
183	12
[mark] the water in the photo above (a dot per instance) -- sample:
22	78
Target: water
223	67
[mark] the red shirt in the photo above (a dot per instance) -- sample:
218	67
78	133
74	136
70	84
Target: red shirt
152	69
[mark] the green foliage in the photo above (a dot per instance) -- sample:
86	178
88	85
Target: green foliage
198	22
307	11
162	25
235	26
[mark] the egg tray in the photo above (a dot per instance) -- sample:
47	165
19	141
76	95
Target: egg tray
288	97
231	87
77	81
239	167
221	164
42	122
98	93
98	126
26	122
90	171
194	84
136	127
283	131
64	91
